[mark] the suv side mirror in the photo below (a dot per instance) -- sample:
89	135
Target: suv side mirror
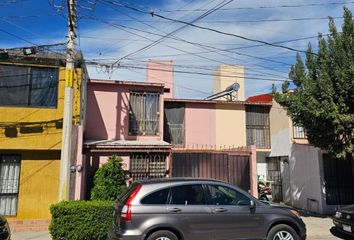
252	204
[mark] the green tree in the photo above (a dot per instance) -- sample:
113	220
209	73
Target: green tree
109	181
323	99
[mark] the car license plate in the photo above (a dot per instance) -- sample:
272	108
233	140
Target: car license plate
347	228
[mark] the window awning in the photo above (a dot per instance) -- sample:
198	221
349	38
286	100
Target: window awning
127	145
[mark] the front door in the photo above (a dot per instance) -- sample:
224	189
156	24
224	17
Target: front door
274	175
231	215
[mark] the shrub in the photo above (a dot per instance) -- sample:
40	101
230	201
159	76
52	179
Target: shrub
109	181
81	220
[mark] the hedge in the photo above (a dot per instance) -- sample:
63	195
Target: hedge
81	220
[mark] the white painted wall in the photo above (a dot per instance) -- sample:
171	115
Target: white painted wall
261	164
305	178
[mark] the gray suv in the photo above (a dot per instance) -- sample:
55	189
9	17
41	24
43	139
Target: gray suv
199	209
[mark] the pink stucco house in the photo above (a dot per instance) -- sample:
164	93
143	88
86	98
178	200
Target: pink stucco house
159	136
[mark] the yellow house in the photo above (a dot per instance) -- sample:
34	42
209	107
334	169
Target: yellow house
31	117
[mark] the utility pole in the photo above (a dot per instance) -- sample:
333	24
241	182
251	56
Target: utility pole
64	182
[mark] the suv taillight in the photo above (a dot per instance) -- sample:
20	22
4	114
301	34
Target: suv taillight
126	213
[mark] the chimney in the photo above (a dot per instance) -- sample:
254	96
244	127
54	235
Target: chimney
161	72
226	75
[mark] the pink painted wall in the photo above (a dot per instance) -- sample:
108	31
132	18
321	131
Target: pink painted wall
79	162
161	72
200	125
107	116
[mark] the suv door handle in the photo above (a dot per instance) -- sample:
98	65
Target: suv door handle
174	210
219	210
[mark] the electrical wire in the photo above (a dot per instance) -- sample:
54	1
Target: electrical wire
210	11
206	28
266	7
215	50
127	66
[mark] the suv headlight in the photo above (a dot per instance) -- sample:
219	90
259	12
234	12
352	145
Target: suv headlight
338	215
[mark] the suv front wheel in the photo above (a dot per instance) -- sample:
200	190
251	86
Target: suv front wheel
282	232
162	235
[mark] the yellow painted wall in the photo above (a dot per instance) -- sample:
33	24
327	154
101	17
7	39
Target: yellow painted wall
225	75
49	118
39	183
40	151
230	125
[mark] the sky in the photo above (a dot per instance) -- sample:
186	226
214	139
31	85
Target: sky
116	36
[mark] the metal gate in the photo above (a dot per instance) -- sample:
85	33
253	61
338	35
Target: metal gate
274	175
339	180
147	166
234	169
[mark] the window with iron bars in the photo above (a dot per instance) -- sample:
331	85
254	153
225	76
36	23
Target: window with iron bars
9	184
144	113
147	166
258	126
299	132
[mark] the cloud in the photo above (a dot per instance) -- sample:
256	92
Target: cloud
115	34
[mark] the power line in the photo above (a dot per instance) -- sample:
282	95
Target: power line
213	69
127	66
265	7
215	50
208	68
207	28
210	11
178	85
273	20
18	37
20	27
235	20
29	16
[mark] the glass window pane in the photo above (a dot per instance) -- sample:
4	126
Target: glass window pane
9	184
221	195
14	85
44	87
187	195
144	113
159	197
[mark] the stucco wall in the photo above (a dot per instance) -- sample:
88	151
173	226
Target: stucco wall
305	178
39	183
200	125
159	71
279	131
50	119
225	75
108	112
230	125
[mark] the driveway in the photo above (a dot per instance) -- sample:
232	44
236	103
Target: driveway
318	228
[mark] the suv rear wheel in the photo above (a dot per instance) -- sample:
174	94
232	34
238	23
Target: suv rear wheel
282	232
162	235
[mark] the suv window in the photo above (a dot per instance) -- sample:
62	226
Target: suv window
221	195
187	195
158	197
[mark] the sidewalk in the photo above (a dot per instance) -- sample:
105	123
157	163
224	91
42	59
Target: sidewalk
31	236
317	229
